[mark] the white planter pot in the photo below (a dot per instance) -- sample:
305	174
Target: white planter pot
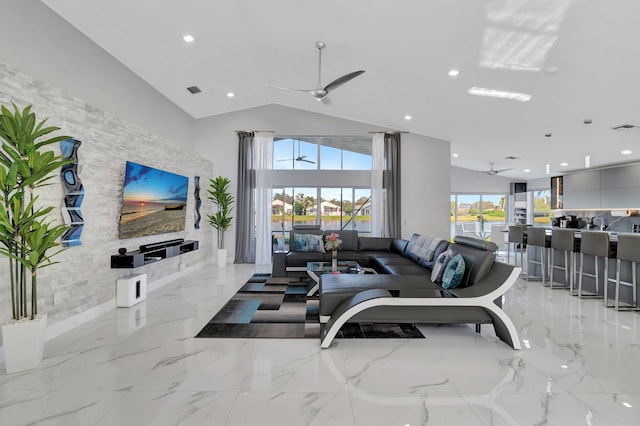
23	344
222	258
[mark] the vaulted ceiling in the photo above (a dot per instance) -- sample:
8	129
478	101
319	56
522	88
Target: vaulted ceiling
577	59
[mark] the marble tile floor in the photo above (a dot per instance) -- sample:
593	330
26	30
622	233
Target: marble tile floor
580	365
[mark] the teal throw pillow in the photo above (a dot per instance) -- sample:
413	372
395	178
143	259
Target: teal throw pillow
454	272
308	242
440	266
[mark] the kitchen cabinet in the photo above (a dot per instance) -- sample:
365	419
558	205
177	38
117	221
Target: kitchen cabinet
620	177
612	188
581	199
582	181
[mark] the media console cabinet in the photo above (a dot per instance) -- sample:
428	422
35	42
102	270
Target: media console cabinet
149	253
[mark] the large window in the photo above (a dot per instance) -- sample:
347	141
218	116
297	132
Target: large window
309	177
322	153
332	208
542	208
473	215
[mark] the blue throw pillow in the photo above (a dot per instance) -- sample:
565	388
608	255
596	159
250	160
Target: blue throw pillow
454	272
440	266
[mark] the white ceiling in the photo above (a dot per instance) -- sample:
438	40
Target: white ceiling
578	59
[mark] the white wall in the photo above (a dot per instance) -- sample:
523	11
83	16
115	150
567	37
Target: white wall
83	279
38	42
425	186
425	167
465	181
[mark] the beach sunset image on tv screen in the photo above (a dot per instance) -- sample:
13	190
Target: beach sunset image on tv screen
153	202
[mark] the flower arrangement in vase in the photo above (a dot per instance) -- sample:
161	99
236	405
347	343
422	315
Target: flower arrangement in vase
332	242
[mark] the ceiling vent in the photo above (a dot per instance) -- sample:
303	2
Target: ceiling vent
194	89
511	157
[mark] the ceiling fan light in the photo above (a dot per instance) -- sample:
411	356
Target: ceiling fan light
547	168
587	160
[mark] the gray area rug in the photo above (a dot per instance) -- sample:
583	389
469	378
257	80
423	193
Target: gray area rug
267	307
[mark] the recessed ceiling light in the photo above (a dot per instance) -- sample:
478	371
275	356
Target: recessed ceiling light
626	404
527	170
407	117
455	155
626	152
453	73
194	90
564	164
514	96
564	367
230	94
188	38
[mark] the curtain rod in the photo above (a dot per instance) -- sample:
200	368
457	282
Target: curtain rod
389	133
265	131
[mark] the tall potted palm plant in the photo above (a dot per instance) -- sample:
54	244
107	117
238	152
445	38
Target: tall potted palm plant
27	236
221	220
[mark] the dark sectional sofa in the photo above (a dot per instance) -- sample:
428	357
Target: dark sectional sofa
402	290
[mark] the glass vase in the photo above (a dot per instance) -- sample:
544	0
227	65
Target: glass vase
334	260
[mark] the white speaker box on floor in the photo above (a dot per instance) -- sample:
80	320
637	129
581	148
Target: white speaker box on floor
131	290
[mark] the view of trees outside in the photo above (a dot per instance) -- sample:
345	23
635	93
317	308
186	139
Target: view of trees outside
478	210
542	208
338	208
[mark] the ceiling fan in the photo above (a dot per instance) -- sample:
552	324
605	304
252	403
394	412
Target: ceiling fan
493	171
320	93
299	157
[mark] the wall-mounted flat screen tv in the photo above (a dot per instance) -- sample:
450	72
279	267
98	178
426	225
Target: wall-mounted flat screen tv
153	202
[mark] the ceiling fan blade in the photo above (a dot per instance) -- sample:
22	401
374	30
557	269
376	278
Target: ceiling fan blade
502	170
342	80
286	159
308	161
292	90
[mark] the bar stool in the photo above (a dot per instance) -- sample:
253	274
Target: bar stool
628	250
564	240
596	244
537	237
516	236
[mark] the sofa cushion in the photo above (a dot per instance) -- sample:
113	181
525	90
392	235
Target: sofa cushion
408	251
385	259
440	248
410	269
440	265
349	238
300	258
308	242
454	272
374	243
478	255
398	245
425	247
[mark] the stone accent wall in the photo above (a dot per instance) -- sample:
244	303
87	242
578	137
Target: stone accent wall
83	278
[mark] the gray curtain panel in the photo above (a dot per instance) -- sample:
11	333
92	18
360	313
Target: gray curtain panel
245	220
391	182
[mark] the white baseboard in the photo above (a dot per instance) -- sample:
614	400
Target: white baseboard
67	324
70	323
